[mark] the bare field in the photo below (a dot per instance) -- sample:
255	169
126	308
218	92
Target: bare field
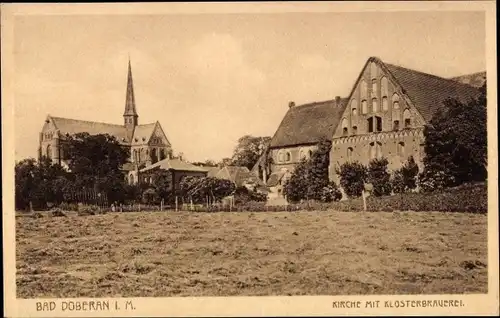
151	254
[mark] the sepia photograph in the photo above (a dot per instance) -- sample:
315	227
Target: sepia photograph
250	151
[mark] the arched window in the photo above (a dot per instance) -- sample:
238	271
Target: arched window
375	105
364	89
374	87
384	89
407	118
354	130
344	127
374	124
349	153
154	156
302	155
288	156
134	156
48	152
401	149
373	151
395	101
364	107
373	69
385	104
310	153
395	125
354	107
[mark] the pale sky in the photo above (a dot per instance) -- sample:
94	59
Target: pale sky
210	79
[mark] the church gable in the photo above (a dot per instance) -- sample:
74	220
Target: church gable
158	137
377	103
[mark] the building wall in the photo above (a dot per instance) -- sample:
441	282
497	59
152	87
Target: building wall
280	156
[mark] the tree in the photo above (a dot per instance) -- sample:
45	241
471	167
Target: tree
310	179
249	150
456	144
95	161
405	178
379	177
25	171
353	176
163	184
199	189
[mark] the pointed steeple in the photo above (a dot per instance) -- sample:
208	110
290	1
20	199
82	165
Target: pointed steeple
130	115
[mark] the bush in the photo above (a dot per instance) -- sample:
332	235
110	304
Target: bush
352	178
379	177
149	196
398	184
331	193
89	210
57	212
68	206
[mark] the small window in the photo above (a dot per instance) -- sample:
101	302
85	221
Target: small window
281	156
344	131
401	149
364	107
407	123
288	157
395	125
354	112
354	130
385	104
395	101
375	105
349	153
370	124
310	153
374	87
379	123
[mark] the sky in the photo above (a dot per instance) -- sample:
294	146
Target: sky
211	78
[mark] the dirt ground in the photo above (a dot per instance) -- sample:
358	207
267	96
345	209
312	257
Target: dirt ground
226	254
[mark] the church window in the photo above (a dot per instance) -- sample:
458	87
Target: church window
354	130
364	89
373	69
302	155
354	112
349	153
407	118
374	87
385	104
375	105
384	90
401	149
379	123
395	125
395	101
370	124
288	156
310	153
344	127
154	156
354	106
364	107
48	152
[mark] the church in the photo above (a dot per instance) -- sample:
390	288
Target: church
147	143
383	116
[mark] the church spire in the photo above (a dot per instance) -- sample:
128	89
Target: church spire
130	115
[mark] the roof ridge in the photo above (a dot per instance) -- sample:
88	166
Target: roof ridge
86	121
428	74
319	102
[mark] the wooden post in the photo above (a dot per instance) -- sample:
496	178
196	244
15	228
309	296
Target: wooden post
139	207
176	204
191	200
364	200
31	206
161	205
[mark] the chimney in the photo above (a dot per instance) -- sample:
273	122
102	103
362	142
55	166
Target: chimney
291	104
337	101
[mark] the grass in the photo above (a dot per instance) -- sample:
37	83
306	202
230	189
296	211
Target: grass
152	254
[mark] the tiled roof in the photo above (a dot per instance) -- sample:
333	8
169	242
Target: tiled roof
427	92
142	133
306	124
74	126
174	164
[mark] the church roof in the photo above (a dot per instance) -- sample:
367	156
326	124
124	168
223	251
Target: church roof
308	123
142	133
74	126
130	98
475	79
174	164
427	92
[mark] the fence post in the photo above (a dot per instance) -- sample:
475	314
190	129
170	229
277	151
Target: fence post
176	203
161	205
